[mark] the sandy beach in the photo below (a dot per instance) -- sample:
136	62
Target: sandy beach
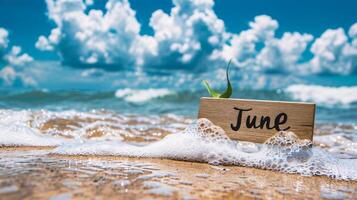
33	173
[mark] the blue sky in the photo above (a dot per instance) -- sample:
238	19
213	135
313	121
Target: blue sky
26	20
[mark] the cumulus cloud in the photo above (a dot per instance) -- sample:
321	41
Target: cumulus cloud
283	54
187	36
333	53
15	58
87	37
241	48
11	63
353	34
93	38
190	36
3	40
275	55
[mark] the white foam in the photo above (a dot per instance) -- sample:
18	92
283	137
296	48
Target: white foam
204	142
9	189
63	196
203	175
156	174
133	171
15	131
324	95
122	182
139	96
341	145
201	141
47	128
159	188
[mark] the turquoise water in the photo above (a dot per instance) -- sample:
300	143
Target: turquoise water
60	88
181	103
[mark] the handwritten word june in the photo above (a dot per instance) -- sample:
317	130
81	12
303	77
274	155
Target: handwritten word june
252	122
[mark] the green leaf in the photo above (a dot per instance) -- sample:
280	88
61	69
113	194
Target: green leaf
210	91
227	93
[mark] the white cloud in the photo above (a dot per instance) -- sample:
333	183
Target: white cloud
264	27
10	77
242	48
276	54
43	44
183	38
93	37
187	36
190	36
13	61
333	53
353	34
353	50
15	58
3	40
283	54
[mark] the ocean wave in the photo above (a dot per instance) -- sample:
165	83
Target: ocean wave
15	131
204	142
174	137
330	96
140	96
48	128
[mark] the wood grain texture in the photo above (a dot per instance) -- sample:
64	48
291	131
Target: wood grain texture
222	112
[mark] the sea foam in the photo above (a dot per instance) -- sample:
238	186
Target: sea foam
16	132
202	141
104	133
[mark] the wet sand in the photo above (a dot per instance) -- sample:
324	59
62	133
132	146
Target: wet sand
34	173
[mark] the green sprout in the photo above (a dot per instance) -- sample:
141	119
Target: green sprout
227	93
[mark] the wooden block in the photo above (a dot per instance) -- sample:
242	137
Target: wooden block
258	120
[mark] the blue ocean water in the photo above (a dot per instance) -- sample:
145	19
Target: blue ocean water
158	54
164	92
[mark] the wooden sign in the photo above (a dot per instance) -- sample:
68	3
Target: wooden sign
257	120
